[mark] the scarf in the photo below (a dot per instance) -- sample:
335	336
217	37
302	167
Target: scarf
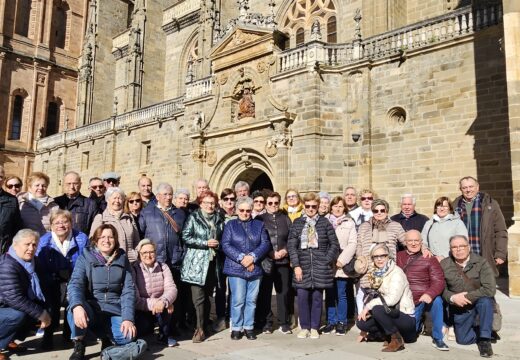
209	219
336	221
35	291
376	275
38	203
472	221
62	246
309	236
105	260
117	214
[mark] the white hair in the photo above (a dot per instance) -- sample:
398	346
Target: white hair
182	191
24	234
244	200
163	186
408	196
241	184
112	190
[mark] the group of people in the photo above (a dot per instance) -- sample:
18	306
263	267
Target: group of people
123	264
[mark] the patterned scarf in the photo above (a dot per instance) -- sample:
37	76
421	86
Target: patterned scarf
336	221
105	260
376	275
35	291
472	221
309	236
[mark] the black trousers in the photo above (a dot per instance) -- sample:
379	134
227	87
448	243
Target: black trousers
382	324
280	277
201	295
183	306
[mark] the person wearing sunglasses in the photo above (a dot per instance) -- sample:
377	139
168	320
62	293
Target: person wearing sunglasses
444	224
228	199
97	193
389	286
111	179
201	267
258	203
313	251
13	185
278	225
293	206
133	206
83	209
245	242
363	213
10	219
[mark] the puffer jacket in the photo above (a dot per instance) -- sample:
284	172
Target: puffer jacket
152	285
242	238
437	232
277	226
395	289
52	262
156	227
108	288
477	270
369	236
10	220
195	235
14	287
347	237
127	232
424	275
34	219
318	265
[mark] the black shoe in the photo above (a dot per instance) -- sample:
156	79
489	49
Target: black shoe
236	335
47	342
79	350
329	329
267	329
494	337
485	349
250	334
340	329
105	342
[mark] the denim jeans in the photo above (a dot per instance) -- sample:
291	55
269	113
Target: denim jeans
336	302
464	321
436	309
145	322
12	322
243	302
101	324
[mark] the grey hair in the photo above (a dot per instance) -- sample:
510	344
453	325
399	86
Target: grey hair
112	190
324	195
144	242
241	184
24	234
244	200
408	196
350	187
163	186
182	191
72	173
380	246
200	180
463	237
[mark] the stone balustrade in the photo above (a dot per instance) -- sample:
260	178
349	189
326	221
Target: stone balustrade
178	10
199	88
450	26
127	121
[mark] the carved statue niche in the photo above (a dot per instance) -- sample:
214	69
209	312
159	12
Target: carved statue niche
244	92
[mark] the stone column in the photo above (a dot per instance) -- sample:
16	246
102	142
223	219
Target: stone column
511	46
278	147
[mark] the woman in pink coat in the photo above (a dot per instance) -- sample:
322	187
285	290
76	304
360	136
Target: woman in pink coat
156	293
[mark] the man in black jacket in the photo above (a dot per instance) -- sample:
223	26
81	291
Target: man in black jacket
82	208
408	218
21	296
10	220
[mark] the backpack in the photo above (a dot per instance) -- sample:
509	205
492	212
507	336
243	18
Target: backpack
130	351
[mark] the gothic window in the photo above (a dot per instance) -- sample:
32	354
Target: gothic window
192	61
16	123
53	119
23	17
59	25
332	30
302	13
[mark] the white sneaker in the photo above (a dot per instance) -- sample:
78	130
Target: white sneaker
315	334
303	334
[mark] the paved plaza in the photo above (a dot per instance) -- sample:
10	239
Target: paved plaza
328	347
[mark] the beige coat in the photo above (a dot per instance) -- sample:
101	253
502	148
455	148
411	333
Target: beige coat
347	237
395	289
33	218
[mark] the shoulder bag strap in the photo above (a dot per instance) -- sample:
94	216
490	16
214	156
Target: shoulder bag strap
171	221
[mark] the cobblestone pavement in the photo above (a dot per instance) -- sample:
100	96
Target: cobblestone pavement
286	347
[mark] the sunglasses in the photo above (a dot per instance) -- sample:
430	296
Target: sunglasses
229	199
98	187
273	203
247	211
379	257
311	206
259	201
138	201
112	181
10	186
377	211
363	198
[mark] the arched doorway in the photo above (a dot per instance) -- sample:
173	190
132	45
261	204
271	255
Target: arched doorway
256	178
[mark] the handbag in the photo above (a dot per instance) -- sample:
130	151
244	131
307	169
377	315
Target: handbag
392	311
267	265
349	269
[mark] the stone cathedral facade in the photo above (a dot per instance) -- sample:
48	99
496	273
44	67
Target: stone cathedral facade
399	96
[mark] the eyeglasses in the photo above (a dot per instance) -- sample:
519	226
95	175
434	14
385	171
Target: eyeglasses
138	201
61	223
229	199
247	211
10	186
147	253
443	206
379	257
259	201
307	206
112	181
363	198
98	187
457	248
273	203
208	203
377	211
413	241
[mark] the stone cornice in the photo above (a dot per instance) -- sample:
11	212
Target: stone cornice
176	25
